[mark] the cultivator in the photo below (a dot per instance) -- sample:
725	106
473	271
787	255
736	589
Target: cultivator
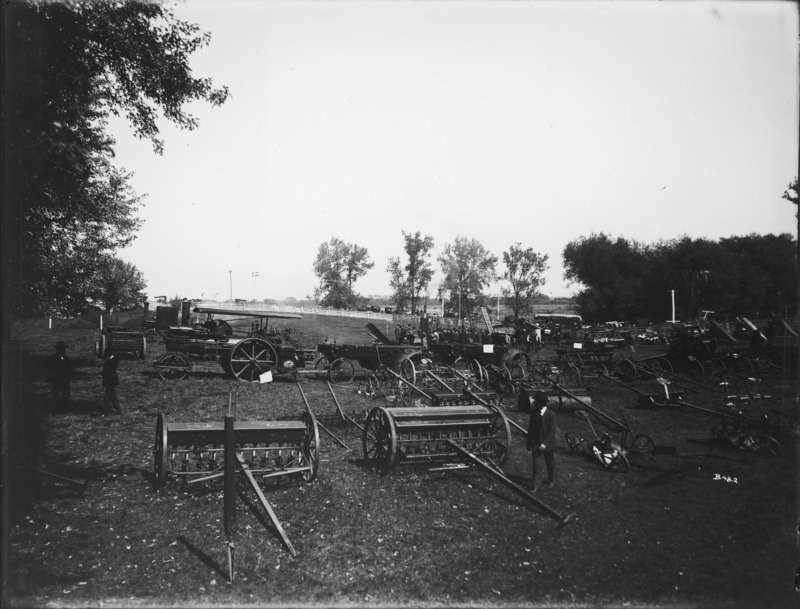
195	451
407	435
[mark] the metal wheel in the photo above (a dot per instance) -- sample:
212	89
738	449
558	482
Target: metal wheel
598	374
309	454
408	370
572	441
160	448
379	441
175	366
251	358
321	363
518	372
341	370
520	359
500	440
644	443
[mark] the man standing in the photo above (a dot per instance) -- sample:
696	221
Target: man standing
61	373
110	382
542	436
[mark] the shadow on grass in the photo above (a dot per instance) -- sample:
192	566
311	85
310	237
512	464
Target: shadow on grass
203	557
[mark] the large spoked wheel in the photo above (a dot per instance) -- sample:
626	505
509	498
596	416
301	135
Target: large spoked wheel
379	441
408	370
521	359
173	366
598	374
695	369
499	436
309	454
251	358
341	370
160	467
321	363
572	441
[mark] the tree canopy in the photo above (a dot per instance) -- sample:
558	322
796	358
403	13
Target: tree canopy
338	266
467	267
745	275
119	284
69	67
524	268
410	280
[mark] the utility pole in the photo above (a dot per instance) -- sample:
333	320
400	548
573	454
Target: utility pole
230	274
254	274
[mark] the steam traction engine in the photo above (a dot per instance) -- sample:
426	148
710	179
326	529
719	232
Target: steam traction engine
247	358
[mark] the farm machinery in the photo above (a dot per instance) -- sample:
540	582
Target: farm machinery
202	451
116	339
251	357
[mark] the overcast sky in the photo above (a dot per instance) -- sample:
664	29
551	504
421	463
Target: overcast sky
529	122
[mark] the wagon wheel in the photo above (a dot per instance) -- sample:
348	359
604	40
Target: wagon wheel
379	441
644	443
341	370
173	366
100	346
143	350
309	453
627	370
716	367
161	465
321	363
251	358
759	442
743	365
223	328
572	441
408	370
500	435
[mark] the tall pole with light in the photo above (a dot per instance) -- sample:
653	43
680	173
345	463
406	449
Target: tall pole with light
254	274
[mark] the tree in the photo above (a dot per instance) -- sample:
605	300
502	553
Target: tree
69	67
523	272
338	266
119	284
614	273
410	284
468	267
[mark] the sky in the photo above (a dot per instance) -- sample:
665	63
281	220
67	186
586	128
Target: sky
507	122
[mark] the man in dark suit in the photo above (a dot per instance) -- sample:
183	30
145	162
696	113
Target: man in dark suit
542	436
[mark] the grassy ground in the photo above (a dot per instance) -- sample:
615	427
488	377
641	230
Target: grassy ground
672	532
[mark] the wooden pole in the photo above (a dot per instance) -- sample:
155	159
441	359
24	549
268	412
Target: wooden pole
229	506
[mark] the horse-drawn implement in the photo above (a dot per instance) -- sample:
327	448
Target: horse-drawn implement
251	357
115	339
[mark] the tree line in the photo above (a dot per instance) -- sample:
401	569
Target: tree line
627	280
466	265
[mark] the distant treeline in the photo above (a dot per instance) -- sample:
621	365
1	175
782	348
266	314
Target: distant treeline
624	280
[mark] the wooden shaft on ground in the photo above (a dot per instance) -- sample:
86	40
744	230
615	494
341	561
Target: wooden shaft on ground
266	505
472	459
336	401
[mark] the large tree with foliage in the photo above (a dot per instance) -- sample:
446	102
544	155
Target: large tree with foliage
410	280
468	267
69	67
119	284
614	272
524	268
338	266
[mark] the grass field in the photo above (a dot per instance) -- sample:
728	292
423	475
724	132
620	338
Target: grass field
672	532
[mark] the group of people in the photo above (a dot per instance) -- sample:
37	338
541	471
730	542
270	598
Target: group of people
61	379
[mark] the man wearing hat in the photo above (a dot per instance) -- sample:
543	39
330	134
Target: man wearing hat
61	370
542	435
